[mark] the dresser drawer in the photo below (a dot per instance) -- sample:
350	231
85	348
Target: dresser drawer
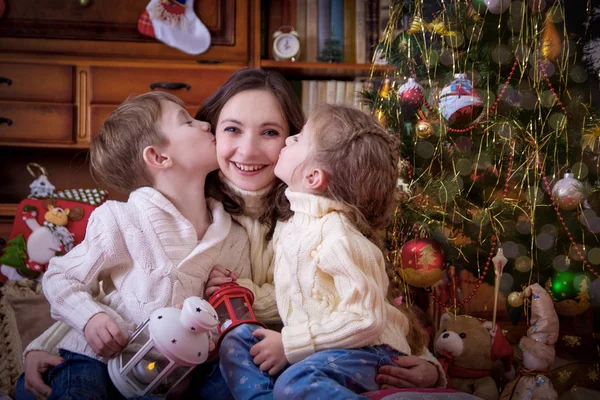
110	85
36	123
99	113
36	82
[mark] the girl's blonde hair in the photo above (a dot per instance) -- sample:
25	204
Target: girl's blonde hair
360	160
116	152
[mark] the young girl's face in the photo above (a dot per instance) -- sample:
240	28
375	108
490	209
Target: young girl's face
293	158
250	133
191	144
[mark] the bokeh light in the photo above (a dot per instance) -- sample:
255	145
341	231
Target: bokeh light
544	241
550	230
464	167
578	74
523	264
510	249
561	263
463	144
594	256
424	149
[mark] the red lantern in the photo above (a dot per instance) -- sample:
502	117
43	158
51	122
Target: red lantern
233	304
422	262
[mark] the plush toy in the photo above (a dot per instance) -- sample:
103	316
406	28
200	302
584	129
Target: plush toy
532	380
467	349
44	241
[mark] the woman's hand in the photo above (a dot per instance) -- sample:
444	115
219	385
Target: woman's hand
409	372
36	364
218	276
269	354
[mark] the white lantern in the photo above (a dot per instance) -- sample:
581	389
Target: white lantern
164	349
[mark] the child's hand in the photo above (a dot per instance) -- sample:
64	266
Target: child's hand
104	335
269	354
409	372
218	276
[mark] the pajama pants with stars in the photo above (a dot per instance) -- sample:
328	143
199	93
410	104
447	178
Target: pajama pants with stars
325	375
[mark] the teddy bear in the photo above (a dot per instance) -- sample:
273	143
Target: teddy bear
467	349
532	380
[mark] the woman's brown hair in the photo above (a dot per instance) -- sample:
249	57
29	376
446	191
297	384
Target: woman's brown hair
116	152
241	81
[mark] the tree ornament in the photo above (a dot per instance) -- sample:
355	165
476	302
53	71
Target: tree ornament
411	96
422	262
385	89
551	42
515	299
459	103
570	292
568	192
497	6
423	129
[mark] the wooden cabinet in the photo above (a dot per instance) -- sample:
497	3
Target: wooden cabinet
109	28
37	103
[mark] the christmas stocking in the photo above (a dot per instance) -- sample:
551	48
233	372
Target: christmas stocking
174	23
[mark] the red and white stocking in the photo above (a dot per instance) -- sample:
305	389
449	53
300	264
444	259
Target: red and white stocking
174	23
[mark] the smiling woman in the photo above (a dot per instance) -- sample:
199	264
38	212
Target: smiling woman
249	139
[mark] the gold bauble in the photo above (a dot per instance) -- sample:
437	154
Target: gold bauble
515	299
84	3
424	129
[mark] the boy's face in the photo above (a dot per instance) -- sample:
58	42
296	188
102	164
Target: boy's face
292	162
191	145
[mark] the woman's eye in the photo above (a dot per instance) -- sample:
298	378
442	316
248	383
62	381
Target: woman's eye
271	132
231	129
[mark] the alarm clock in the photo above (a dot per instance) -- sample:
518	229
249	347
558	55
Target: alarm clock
286	44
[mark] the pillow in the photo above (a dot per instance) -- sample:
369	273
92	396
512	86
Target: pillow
24	315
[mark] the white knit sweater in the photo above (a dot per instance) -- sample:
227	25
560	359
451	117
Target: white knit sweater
331	283
147	256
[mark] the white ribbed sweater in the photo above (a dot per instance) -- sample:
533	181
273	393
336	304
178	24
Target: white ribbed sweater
261	253
147	256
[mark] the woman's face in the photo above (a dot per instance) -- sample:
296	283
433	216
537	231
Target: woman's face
250	133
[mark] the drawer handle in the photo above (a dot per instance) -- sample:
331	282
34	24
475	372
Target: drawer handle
6	121
8	81
170	85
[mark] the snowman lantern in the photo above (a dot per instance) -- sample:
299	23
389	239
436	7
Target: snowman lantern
164	349
234	307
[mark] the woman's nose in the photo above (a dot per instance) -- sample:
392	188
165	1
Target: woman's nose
248	145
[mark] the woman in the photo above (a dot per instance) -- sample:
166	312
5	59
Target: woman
251	114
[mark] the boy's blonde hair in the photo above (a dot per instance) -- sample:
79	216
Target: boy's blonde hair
116	153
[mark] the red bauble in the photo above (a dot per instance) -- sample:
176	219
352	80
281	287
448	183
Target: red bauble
422	262
412	96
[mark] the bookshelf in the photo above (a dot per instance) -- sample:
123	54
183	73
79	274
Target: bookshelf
306	17
305	69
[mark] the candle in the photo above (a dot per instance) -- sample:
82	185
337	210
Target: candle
145	371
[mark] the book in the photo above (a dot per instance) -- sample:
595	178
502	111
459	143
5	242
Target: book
312	44
323	24
301	10
337	26
349	31
340	92
361	33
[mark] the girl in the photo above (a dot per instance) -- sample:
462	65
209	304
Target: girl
330	278
252	114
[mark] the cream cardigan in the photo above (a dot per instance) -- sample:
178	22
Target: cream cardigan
147	256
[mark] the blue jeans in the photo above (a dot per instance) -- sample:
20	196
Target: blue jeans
79	377
82	377
328	374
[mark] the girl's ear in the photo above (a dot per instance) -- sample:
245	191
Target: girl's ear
154	158
316	180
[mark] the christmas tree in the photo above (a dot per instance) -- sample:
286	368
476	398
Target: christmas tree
492	105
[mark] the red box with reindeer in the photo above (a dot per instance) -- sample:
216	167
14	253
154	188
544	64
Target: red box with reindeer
47	227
